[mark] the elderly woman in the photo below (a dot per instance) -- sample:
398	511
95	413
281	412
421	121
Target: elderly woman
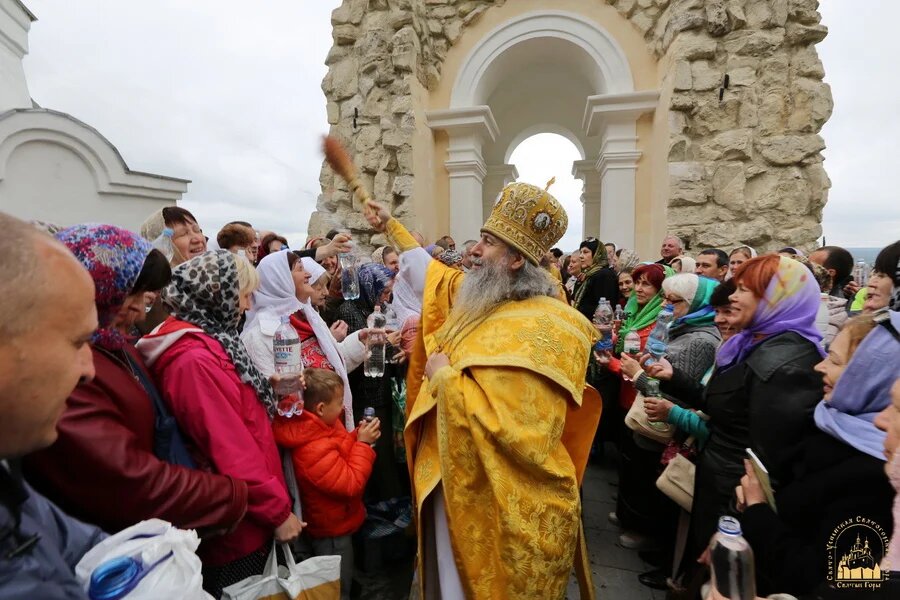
285	291
223	403
112	433
693	339
764	390
387	256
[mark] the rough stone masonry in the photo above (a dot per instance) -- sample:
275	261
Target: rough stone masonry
746	169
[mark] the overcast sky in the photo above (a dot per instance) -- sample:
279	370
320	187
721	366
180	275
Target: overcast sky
228	95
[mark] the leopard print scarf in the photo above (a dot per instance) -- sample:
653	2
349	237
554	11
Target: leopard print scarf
205	292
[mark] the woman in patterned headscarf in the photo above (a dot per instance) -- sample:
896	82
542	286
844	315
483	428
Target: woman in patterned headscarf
223	403
108	465
598	279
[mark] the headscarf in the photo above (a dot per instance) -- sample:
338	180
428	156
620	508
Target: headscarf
114	258
450	258
688	264
752	250
311	242
600	261
637	318
627	261
205	292
862	391
155	231
378	255
699	313
276	294
314	269
790	303
153	227
372	281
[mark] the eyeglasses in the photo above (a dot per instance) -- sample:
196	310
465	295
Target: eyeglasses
674	300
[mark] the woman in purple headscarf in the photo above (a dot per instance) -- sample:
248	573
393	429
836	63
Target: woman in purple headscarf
839	472
764	389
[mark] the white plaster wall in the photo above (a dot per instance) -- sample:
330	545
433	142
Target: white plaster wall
49	182
14	25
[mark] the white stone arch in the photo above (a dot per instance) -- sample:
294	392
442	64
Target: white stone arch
543	128
117	194
611	109
603	49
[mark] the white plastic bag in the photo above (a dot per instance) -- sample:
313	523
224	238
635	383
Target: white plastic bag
164	554
317	578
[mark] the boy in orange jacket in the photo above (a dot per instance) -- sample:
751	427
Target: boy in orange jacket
332	467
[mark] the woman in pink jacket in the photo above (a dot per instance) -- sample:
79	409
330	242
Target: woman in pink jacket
223	404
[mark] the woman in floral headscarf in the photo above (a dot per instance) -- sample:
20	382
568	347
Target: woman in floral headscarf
764	390
375	284
223	403
108	466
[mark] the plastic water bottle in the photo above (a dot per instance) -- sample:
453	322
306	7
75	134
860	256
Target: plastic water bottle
653	392
289	365
861	273
392	323
349	275
603	322
375	343
822	315
632	343
731	557
618	317
368	414
658	342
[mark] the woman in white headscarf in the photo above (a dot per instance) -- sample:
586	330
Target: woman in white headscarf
285	290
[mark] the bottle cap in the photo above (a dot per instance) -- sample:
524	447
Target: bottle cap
729	526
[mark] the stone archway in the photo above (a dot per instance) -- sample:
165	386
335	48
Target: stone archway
682	148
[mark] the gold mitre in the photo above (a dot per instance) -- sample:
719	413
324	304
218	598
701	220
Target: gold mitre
527	218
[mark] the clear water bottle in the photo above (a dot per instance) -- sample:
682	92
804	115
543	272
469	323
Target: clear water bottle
823	315
289	367
349	275
653	392
392	323
632	343
602	320
731	558
861	273
375	344
618	317
658	342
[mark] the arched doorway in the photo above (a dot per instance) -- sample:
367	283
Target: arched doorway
545	71
543	156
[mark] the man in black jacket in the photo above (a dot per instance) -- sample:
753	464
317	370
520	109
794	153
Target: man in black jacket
47	318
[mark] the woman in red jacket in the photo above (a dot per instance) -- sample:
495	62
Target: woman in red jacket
223	403
104	467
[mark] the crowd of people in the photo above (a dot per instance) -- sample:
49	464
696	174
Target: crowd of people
139	381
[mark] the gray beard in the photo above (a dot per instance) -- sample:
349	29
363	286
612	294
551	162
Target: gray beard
484	288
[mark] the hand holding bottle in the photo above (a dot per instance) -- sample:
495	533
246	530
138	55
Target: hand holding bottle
368	432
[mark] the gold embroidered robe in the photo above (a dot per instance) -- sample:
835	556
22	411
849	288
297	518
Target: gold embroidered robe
502	430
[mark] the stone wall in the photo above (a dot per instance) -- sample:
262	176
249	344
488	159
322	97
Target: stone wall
745	161
745	168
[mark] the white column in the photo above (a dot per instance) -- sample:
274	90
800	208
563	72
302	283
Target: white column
15	22
586	170
468	128
613	118
498	177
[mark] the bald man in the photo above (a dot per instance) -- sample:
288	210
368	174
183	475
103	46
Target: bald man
47	317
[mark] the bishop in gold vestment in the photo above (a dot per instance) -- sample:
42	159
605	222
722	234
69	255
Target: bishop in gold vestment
498	436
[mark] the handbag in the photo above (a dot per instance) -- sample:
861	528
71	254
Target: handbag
318	578
637	421
677	481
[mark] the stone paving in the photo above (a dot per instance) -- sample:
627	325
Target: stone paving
615	569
